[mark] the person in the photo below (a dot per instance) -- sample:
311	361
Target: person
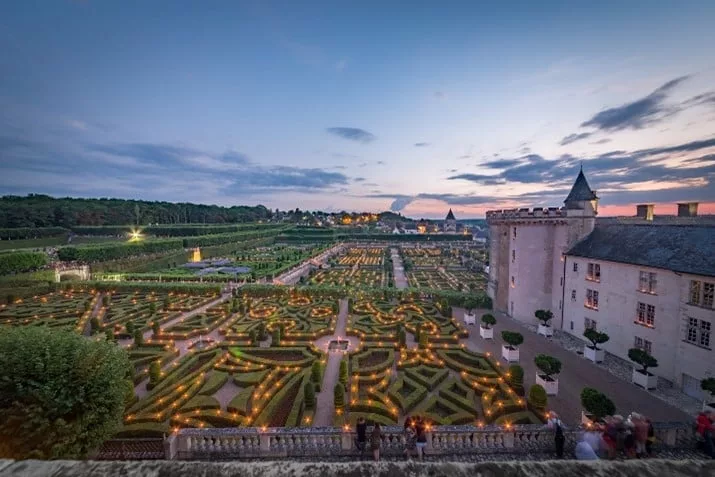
410	439
610	436
629	439
584	448
375	441
558	427
420	429
361	438
640	430
705	431
651	438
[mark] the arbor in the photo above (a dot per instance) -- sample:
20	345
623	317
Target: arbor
544	316
61	395
537	397
643	358
547	364
596	403
512	338
488	320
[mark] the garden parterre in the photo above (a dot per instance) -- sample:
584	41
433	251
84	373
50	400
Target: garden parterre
60	309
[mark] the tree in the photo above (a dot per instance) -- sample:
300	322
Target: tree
154	372
512	338
544	316
470	304
401	337
252	336
152	309
61	395
276	337
166	303
138	337
261	331
95	325
643	358
547	364
343	376
156	328
708	385
537	397
106	300
130	328
109	333
597	403
316	374
423	341
309	392
515	378
338	396
488	321
595	337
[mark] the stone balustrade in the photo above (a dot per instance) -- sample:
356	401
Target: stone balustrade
236	443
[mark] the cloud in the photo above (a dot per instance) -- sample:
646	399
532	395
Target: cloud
571	138
501	163
341	65
422	144
340	155
440	94
637	114
359	179
400	201
380	163
605	140
352	134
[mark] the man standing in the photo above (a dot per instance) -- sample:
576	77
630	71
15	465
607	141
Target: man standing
558	427
361	438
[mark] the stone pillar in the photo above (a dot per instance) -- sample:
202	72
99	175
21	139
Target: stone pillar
346	441
428	447
670	437
265	443
170	447
509	440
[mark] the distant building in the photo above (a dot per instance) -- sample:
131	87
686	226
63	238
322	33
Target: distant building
450	223
648	281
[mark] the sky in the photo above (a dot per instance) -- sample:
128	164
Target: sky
414	107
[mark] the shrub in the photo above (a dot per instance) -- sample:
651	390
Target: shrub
154	372
138	337
156	328
597	403
401	337
276	337
488	320
423	341
309	393
537	397
21	261
130	327
642	357
109	333
61	395
708	385
516	378
544	316
95	325
343	372
547	364
261	331
315	372
152	308
166	303
339	396
470	304
512	338
595	337
252	335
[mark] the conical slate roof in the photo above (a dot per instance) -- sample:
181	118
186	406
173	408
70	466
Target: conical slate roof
580	190
450	215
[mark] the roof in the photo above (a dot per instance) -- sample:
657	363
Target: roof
580	190
680	248
450	215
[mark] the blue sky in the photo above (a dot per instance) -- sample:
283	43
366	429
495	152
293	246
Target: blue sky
360	105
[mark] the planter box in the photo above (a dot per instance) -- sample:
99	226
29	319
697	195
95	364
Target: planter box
551	387
649	381
486	333
546	331
470	319
510	354
595	355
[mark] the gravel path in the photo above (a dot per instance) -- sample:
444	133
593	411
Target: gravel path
398	269
325	407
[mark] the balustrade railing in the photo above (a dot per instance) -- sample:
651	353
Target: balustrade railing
236	443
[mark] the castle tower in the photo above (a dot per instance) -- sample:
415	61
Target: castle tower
526	261
450	223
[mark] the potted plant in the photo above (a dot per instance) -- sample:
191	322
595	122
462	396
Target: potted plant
510	350
485	329
642	377
596	406
549	366
708	386
544	316
469	305
592	351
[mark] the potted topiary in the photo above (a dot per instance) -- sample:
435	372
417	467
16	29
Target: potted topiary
469	305
642	377
510	350
592	351
596	406
545	316
708	386
485	329
549	366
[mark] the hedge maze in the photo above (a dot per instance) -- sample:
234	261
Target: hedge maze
460	280
363	257
61	309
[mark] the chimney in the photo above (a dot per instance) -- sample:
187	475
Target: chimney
645	211
688	209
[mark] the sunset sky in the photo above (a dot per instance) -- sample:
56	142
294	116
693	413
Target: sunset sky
371	105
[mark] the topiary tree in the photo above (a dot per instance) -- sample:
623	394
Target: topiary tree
261	331
339	396
154	372
166	303
515	378
595	337
708	385
544	316
547	364
95	325
343	376
537	397
152	308
401	337
596	403
61	395
643	358
309	395
276	337
130	328
109	333
106	300
488	320
512	338
423	341
470	304
138	337
156	328
316	374
252	336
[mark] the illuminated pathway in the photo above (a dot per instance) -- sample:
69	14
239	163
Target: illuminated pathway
398	269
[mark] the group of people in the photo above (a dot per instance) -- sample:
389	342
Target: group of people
705	432
414	432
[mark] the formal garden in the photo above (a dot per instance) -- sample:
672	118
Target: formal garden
458	280
358	277
363	257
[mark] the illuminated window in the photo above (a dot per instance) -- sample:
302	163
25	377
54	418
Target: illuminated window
647	282
646	314
592	299
593	272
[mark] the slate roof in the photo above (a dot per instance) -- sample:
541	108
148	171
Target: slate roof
680	248
450	215
580	190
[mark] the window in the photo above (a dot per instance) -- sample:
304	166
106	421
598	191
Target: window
647	282
593	272
592	299
645	345
513	283
573	295
575	267
572	326
708	293
646	315
513	256
694	292
589	324
514	232
698	332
